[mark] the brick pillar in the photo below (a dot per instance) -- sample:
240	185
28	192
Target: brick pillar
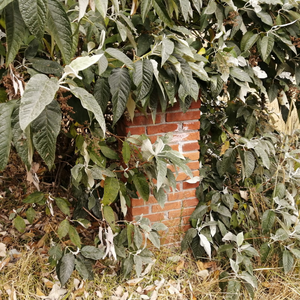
181	203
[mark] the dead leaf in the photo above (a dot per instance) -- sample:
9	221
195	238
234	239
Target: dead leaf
244	195
39	292
210	265
135	281
180	266
203	274
41	242
200	265
4	263
49	284
224	147
2	250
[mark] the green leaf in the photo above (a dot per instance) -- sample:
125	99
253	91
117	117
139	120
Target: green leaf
264	251
109	216
102	93
15	30
84	62
267	45
55	252
111	190
34	14
4	3
141	185
263	155
84	267
160	196
74	236
45	129
167	50
20	140
89	102
40	91
63	228
239	74
46	66
6	110
228	161
36	197
145	7
92	252
248	40
126	153
287	261
188	238
102	6
186	9
280	190
154	238
296	252
161	172
138	237
143	77
19	224
108	152
63	205
268	220
138	264
59	26
185	76
120	85
161	11
120	56
265	17
211	7
30	214
65	268
127	266
248	161
233	289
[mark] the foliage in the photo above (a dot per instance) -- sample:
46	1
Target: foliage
89	62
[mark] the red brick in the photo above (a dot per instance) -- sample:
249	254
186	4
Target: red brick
186	185
190	202
136	211
175	107
186	220
190	146
173	222
193	165
137	202
135	130
175	147
183	176
180	116
168	206
155	217
143	120
162	128
185	136
191	125
180	212
192	155
181	195
195	105
151	200
153	138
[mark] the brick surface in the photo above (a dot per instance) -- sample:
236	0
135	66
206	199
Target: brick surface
191	125
191	146
185	136
190	202
155	217
180	212
181	195
167	207
181	116
162	128
136	211
135	130
192	155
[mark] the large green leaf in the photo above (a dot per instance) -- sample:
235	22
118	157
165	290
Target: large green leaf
111	190
4	3
102	92
92	252
109	216
248	161
59	26
120	84
6	110
267	220
65	268
248	40
39	92
89	102
167	50
287	261
34	14
267	45
160	9
120	56
45	129
102	6
145	7
143	77
15	30
21	142
161	172
240	74
74	236
141	185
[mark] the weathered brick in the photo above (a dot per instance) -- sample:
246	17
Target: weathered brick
181	116
192	155
191	125
192	146
167	206
162	128
185	136
180	212
136	211
193	165
155	217
137	202
190	202
186	185
136	130
181	195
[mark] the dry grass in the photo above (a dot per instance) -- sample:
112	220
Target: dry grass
26	277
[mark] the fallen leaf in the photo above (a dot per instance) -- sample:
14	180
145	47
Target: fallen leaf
41	242
210	265
39	292
203	274
49	284
135	281
119	291
154	295
175	258
4	263
244	195
99	294
2	250
180	266
200	265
